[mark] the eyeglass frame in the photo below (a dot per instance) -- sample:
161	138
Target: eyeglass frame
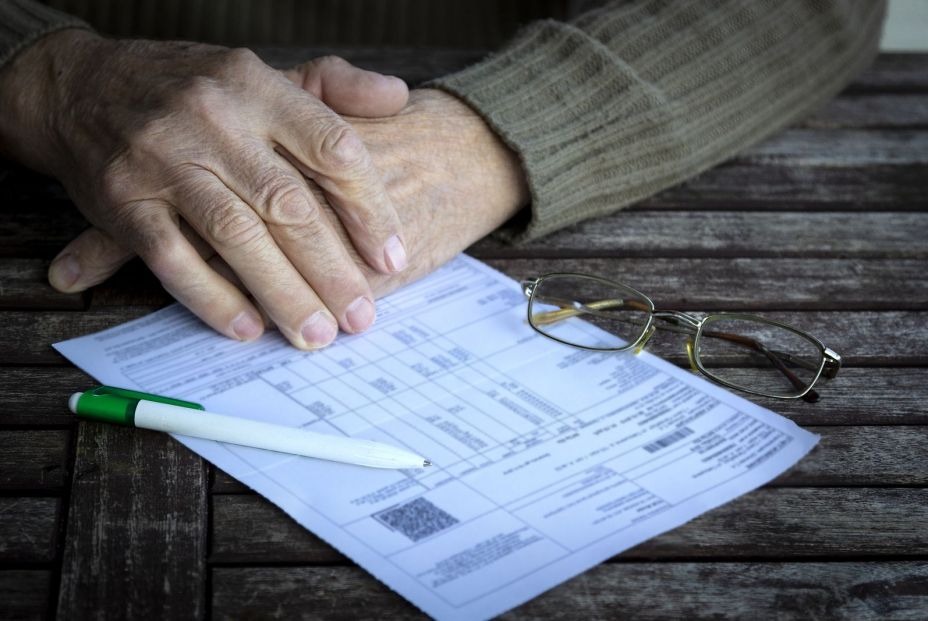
830	360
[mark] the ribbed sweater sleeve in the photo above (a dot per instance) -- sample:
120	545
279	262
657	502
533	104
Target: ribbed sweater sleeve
23	22
636	96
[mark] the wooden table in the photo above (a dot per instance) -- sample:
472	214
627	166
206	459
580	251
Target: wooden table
823	225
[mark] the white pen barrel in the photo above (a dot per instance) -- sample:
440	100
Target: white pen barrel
244	432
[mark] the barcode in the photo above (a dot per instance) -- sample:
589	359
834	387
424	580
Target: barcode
416	519
666	441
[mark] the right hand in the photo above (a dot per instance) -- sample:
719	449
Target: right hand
147	135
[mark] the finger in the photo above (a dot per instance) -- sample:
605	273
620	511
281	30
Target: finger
295	219
327	150
350	90
89	259
240	237
187	277
222	268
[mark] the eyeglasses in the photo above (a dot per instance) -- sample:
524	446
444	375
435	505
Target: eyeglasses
745	352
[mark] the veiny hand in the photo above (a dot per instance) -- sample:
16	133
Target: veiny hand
148	135
451	178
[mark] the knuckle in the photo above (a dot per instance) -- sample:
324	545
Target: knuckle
341	146
232	227
284	202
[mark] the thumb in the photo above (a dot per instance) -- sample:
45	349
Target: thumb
349	90
90	258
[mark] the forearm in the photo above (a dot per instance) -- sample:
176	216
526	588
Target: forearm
632	98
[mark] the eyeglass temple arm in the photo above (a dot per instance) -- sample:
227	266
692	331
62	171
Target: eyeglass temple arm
568	309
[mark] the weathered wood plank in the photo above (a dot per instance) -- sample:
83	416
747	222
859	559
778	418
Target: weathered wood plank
878	591
768	523
872	111
136	535
24	285
25	593
26	337
28	529
877	111
34	459
752	284
738	186
717	234
38	396
863	338
894	73
863	456
32	224
845	148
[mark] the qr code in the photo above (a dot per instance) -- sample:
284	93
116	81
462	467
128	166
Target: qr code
416	519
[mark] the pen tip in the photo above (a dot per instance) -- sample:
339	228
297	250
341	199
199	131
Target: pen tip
426	463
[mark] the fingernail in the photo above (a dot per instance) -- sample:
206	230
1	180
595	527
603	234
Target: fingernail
360	314
246	326
64	272
395	254
319	330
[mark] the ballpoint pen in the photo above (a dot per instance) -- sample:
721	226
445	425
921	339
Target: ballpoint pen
139	409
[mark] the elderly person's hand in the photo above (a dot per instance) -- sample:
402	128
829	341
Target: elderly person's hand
451	178
148	135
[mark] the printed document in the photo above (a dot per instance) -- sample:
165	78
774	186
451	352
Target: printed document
546	459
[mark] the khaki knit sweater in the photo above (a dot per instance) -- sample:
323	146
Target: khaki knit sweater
631	97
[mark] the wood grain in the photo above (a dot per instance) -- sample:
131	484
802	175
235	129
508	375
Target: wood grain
879	591
36	460
768	523
875	111
135	545
26	337
24	285
751	284
894	73
717	234
38	396
28	529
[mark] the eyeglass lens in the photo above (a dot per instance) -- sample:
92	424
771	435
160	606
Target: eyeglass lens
758	356
588	312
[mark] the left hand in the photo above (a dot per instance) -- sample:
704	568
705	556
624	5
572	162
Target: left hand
451	179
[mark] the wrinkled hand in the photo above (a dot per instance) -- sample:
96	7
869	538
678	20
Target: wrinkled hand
147	136
451	178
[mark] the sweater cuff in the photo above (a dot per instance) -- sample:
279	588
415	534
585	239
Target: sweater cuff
23	22
553	96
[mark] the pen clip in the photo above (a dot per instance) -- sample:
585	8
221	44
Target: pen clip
136	395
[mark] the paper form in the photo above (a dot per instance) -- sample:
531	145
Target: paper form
547	459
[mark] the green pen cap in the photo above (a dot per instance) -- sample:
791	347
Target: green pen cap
117	405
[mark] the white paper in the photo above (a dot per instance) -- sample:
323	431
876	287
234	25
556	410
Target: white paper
547	459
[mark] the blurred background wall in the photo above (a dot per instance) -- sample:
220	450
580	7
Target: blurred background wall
464	24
